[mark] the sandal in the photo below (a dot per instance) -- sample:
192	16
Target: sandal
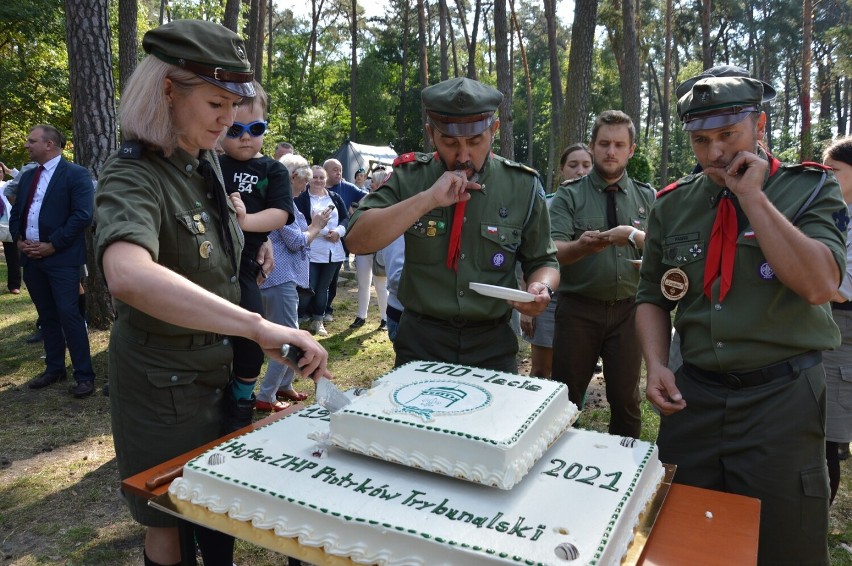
291	394
276	407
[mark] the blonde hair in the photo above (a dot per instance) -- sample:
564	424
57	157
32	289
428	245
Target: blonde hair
292	161
144	113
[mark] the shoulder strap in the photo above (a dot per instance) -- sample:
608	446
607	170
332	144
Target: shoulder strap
811	198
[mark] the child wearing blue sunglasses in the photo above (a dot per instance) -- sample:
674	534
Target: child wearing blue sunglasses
259	187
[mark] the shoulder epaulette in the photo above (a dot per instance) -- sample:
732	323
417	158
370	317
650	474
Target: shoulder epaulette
643	184
571	181
131	150
679	183
411	157
518	165
810	164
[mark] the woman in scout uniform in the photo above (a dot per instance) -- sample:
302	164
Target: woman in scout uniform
749	252
838	429
169	247
468	216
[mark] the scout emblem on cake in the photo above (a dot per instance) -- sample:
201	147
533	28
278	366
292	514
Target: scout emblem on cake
439	397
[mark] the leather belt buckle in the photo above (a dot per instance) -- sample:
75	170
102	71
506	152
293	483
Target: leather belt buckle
733	381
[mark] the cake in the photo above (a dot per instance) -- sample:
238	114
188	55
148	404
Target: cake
577	506
478	425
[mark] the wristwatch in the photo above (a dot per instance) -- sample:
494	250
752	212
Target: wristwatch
632	238
549	289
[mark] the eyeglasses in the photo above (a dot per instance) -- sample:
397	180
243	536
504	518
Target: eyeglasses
255	129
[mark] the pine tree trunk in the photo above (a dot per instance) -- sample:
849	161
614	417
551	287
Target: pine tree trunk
579	80
128	43
504	80
94	118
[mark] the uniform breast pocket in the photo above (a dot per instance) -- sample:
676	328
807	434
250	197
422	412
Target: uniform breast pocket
587	224
426	240
498	246
194	247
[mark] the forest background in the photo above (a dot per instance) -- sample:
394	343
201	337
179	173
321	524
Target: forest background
337	74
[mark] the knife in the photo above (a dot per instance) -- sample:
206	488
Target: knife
328	395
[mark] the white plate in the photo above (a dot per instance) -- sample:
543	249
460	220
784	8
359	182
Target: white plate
502	292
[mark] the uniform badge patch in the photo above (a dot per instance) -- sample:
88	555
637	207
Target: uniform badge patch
498	259
503	212
766	272
841	219
674	284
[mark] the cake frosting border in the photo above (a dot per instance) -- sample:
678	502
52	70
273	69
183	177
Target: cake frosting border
184	490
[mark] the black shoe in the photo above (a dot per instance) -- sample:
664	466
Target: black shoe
35	337
843	451
383	325
45	379
357	323
82	389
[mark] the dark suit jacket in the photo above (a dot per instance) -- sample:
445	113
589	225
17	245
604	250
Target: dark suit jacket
66	212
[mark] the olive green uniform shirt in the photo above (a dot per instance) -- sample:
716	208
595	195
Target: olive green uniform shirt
163	205
506	222
580	206
761	321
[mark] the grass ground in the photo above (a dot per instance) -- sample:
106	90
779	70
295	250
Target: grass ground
59	501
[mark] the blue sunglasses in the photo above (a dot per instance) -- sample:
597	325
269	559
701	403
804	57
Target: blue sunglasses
255	129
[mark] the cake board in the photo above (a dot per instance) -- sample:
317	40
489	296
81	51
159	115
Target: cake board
243	530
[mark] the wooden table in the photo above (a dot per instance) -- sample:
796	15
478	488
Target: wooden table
694	526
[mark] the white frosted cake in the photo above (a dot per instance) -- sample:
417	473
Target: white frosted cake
474	424
578	505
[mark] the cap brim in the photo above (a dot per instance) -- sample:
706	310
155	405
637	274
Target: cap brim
715	120
462	129
246	90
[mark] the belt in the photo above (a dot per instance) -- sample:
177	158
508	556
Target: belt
177	342
458	322
589	300
847	306
393	314
741	380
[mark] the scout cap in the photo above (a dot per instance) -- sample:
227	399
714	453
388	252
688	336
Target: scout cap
211	51
461	107
722	71
716	102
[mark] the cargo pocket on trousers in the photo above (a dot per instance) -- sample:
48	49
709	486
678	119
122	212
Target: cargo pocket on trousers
174	395
815	500
844	393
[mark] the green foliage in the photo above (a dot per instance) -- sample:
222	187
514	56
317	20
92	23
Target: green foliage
639	167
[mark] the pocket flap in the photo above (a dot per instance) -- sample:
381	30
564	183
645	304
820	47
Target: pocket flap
815	482
165	378
846	373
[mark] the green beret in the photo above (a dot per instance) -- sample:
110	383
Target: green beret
461	107
211	51
715	102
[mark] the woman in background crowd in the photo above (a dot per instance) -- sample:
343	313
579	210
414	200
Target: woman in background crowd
838	363
327	253
280	291
575	162
370	269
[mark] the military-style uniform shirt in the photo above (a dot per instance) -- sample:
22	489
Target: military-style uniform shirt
580	206
761	321
163	205
506	222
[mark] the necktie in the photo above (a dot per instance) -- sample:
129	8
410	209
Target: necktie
722	248
215	187
454	249
611	216
26	211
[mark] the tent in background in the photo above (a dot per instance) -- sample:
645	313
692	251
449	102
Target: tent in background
354	156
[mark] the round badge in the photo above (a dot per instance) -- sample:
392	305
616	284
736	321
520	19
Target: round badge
498	259
674	284
204	249
765	271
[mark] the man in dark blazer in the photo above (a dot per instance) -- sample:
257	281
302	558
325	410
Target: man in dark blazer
48	221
